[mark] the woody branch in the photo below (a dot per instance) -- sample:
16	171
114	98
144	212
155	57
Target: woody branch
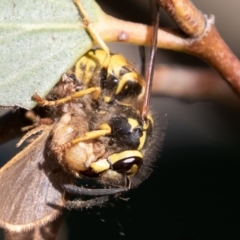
199	37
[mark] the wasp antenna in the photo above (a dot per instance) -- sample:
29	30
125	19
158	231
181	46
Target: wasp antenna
92	192
90	28
150	69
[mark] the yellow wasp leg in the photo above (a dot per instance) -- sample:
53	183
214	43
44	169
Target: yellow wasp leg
43	102
103	130
91	135
87	136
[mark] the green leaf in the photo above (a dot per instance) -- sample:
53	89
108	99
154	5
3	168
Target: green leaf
39	41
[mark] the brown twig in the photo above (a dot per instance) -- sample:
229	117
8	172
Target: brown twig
206	43
189	19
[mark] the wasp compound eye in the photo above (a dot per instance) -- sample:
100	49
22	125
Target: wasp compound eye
126	161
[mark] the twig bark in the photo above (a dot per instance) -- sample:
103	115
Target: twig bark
199	37
189	19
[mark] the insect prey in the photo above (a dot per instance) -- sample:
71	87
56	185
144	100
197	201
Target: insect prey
99	130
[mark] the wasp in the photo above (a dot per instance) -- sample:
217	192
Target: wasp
100	130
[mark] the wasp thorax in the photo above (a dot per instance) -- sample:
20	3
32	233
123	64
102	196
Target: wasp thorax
113	73
122	82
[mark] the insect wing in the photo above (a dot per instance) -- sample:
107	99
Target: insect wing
30	191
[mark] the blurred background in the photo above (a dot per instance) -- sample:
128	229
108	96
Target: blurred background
192	193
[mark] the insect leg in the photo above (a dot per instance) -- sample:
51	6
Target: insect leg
92	192
86	203
87	136
43	102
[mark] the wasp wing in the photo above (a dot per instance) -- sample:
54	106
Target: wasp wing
30	188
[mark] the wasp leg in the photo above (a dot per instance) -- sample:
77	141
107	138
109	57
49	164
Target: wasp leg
76	204
91	135
43	102
92	192
89	26
87	136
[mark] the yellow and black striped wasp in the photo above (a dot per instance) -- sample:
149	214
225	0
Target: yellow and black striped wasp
101	129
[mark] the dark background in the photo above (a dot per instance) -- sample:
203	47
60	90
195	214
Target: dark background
192	193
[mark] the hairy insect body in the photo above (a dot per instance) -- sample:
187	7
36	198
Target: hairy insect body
100	129
92	135
116	110
78	157
115	155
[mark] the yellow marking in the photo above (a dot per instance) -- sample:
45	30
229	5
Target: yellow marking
146	125
96	93
103	57
124	104
102	112
133	123
131	76
116	63
100	165
90	136
122	155
84	68
107	99
105	126
142	140
91	62
94	34
133	170
149	117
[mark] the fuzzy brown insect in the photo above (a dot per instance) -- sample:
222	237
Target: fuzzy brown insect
100	129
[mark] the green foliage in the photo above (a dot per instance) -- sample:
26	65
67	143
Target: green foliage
39	40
